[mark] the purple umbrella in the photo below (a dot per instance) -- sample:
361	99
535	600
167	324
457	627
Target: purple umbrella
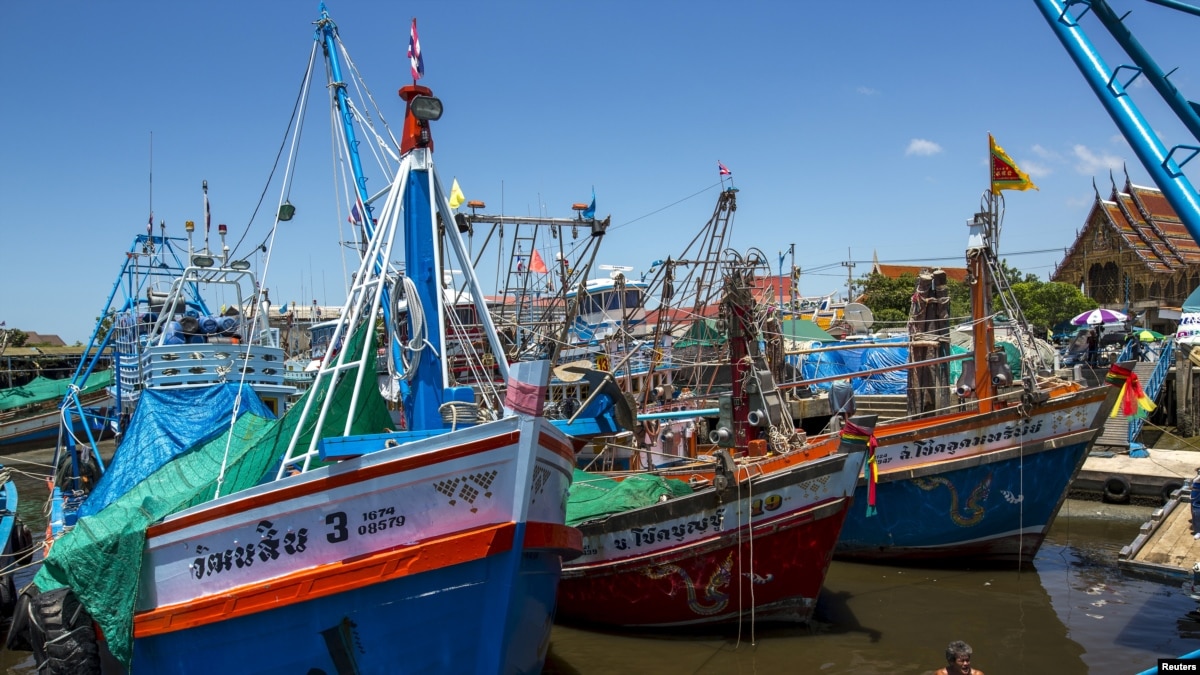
1096	317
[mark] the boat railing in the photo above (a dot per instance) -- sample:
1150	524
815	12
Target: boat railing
206	365
1154	384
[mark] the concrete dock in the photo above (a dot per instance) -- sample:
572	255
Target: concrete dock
1120	478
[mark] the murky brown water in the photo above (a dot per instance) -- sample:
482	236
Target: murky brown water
1075	613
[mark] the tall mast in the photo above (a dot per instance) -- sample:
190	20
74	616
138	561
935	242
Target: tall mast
981	252
327	34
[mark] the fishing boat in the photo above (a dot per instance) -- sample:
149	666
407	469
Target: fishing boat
30	412
721	541
978	481
181	332
326	540
981	482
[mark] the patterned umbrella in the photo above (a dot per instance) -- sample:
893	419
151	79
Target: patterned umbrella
1095	317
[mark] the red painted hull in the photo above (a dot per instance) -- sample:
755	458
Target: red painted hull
774	572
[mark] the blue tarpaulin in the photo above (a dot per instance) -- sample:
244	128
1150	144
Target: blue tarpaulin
847	362
165	424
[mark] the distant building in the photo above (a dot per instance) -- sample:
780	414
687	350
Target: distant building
1134	255
958	274
41	340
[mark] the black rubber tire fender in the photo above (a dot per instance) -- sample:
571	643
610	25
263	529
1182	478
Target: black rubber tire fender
22	544
1169	489
64	639
1117	490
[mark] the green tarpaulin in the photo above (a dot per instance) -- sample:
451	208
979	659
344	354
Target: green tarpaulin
805	330
593	496
100	558
43	389
703	333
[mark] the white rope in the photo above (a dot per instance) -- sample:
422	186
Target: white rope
418	340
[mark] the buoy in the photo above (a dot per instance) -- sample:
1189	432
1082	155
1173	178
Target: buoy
1116	490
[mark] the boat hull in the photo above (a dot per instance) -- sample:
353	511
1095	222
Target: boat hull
374	561
760	552
44	424
948	493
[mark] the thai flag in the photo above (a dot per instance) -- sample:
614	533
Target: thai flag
357	211
414	54
150	224
724	171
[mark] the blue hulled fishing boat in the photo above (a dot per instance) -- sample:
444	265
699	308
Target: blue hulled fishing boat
327	540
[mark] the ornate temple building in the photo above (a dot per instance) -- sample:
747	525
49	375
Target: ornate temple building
1134	255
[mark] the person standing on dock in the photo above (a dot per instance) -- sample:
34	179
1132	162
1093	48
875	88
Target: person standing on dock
1093	348
958	660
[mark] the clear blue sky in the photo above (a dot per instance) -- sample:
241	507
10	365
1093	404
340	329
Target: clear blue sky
852	129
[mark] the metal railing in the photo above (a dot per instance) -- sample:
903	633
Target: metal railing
1154	383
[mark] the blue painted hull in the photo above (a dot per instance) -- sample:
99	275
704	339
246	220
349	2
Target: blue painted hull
993	508
446	626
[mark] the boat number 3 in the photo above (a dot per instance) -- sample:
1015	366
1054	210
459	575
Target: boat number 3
372	523
771	503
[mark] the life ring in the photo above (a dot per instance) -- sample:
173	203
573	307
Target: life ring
1116	490
1169	489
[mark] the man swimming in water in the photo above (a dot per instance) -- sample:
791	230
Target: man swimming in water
958	660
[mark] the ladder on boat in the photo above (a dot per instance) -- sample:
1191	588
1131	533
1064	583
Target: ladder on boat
708	266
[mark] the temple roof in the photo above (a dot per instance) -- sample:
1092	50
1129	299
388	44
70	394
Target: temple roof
1146	224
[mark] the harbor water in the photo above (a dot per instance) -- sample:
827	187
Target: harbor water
1075	612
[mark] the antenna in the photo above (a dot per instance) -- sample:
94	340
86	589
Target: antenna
150	223
615	269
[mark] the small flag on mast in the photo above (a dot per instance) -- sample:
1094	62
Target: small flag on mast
724	171
590	211
536	264
414	53
355	213
150	224
456	195
1005	174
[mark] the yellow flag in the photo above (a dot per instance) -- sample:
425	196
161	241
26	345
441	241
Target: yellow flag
1005	174
456	195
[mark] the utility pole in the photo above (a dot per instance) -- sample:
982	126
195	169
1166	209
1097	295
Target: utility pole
792	250
849	265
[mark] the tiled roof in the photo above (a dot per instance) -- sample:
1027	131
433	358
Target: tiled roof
1146	224
897	271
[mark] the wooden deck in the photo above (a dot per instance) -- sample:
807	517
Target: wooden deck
1165	548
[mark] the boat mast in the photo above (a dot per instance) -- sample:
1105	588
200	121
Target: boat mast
981	252
327	34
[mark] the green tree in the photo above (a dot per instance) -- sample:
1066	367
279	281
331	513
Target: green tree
1014	275
1049	303
14	337
890	300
